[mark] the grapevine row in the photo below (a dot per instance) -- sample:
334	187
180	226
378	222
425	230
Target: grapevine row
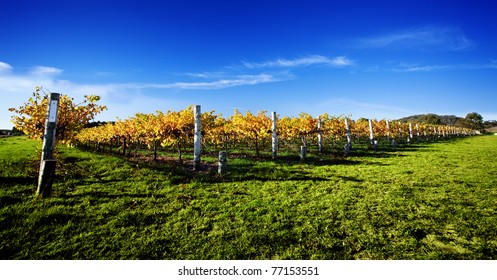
175	129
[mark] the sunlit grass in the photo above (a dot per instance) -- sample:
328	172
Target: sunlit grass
427	201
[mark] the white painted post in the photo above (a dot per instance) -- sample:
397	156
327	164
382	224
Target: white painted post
320	136
373	142
274	141
222	163
303	152
371	132
348	146
47	165
410	133
197	138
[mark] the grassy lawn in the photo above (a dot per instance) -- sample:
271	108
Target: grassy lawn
423	201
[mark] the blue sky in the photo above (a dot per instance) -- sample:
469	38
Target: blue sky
373	59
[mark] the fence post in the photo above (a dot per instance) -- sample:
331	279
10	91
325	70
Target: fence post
197	138
303	152
410	133
320	136
47	165
222	163
373	142
348	146
274	139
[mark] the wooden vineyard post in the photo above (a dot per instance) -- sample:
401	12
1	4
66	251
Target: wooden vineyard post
374	143
320	136
274	140
303	152
197	138
410	133
222	163
47	165
348	146
371	132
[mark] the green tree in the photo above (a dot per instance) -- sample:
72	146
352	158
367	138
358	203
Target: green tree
474	120
432	119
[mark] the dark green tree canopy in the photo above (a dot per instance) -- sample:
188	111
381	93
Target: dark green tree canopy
474	120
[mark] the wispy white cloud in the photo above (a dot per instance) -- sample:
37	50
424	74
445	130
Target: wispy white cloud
123	99
241	80
338	61
347	106
418	67
435	67
45	70
425	38
345	102
207	75
5	67
425	68
341	61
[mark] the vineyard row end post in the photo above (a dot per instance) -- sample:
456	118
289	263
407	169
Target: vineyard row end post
47	165
222	162
348	146
373	142
320	136
197	138
274	139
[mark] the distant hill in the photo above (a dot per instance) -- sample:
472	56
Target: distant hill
433	119
490	125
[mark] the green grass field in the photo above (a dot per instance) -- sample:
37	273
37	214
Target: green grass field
423	201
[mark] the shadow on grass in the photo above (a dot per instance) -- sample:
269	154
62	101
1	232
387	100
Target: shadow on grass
9	200
242	167
13	181
246	167
103	194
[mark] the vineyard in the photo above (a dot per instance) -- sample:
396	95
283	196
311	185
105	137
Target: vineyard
262	133
403	190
